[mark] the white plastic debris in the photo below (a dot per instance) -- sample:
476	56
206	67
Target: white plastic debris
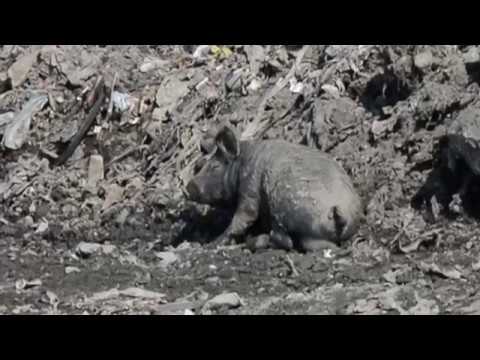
71	269
23	284
201	51
296	87
254	85
423	60
86	249
17	129
166	258
42	227
123	102
5	119
327	253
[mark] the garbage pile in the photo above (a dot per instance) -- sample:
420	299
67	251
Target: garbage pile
96	141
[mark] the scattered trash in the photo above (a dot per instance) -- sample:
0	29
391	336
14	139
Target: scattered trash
256	57
95	170
201	52
5	83
254	85
16	131
472	56
123	102
435	269
382	127
82	69
292	266
142	293
472	309
23	284
427	239
152	64
327	253
5	119
42	227
166	258
423	60
114	194
132	292
170	92
102	154
23	309
221	52
332	90
85	249
390	276
230	300
234	81
18	72
363	306
296	87
424	307
476	266
71	269
52	299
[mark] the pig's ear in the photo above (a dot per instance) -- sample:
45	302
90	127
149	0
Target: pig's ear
228	142
207	145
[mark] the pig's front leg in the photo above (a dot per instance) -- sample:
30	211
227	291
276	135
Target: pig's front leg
244	218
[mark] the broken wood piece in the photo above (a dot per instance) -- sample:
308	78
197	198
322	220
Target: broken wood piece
99	86
83	130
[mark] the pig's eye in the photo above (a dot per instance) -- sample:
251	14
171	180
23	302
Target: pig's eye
198	166
215	166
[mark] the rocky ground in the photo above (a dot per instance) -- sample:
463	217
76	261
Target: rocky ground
96	141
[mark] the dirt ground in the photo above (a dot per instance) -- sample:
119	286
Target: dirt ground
93	219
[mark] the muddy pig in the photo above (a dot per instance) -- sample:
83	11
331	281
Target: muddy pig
303	197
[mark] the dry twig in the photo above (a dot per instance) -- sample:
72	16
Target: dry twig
258	127
126	153
292	266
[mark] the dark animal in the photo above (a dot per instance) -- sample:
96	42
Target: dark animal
303	196
456	167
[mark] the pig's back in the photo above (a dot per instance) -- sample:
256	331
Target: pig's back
302	184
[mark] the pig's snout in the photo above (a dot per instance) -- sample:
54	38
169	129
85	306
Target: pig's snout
192	191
